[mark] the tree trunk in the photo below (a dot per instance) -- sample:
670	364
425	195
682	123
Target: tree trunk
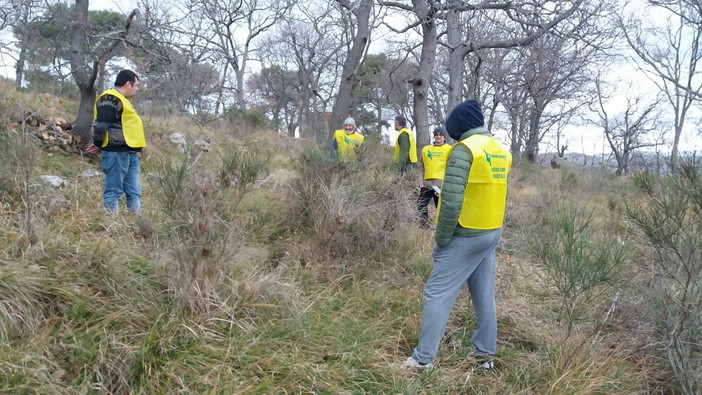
676	143
84	121
515	143
342	106
241	103
422	81
101	77
379	117
532	144
19	68
83	74
457	54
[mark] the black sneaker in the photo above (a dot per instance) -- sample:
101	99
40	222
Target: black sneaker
486	362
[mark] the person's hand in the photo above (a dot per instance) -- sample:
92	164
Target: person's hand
92	149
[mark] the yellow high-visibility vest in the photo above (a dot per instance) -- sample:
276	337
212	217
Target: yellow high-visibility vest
434	159
347	144
413	146
485	195
132	128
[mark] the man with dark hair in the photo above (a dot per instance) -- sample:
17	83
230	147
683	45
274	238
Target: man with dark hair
405	153
469	226
119	134
431	172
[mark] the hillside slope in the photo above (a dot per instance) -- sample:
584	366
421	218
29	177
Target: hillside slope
262	266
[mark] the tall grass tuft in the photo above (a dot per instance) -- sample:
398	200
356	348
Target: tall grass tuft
586	365
350	208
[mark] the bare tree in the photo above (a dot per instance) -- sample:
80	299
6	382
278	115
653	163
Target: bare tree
307	41
85	70
426	15
535	19
556	69
381	87
429	13
20	15
626	131
360	38
275	89
229	29
671	54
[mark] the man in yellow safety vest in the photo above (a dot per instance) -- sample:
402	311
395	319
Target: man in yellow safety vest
118	134
469	227
347	141
431	169
405	153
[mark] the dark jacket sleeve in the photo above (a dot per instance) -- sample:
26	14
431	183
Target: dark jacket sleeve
108	113
404	142
334	148
452	192
420	166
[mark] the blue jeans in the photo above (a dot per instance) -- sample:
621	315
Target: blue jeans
464	261
121	178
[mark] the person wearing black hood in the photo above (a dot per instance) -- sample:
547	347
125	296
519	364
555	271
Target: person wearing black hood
469	226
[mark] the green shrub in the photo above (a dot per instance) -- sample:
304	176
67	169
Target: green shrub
240	169
669	223
200	235
251	118
581	265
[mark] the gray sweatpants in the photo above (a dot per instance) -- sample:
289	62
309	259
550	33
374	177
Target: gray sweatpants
465	260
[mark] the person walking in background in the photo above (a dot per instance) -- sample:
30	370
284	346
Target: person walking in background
405	153
431	169
347	141
469	226
119	134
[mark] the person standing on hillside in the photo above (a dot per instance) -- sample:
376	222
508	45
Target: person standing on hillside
431	169
405	154
469	226
347	141
119	134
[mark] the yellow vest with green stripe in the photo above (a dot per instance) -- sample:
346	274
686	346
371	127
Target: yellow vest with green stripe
486	192
347	144
434	159
412	150
132	128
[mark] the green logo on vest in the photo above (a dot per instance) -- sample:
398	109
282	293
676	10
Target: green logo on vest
489	157
431	155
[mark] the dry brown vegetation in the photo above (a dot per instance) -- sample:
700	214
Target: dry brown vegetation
309	278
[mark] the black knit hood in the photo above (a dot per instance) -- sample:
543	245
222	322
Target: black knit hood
464	117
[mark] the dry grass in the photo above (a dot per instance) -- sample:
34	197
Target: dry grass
312	283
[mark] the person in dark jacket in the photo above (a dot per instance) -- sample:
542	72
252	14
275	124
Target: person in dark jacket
469	226
118	134
405	153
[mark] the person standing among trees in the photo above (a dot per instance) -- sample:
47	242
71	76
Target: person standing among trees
470	215
405	154
119	134
347	141
431	168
